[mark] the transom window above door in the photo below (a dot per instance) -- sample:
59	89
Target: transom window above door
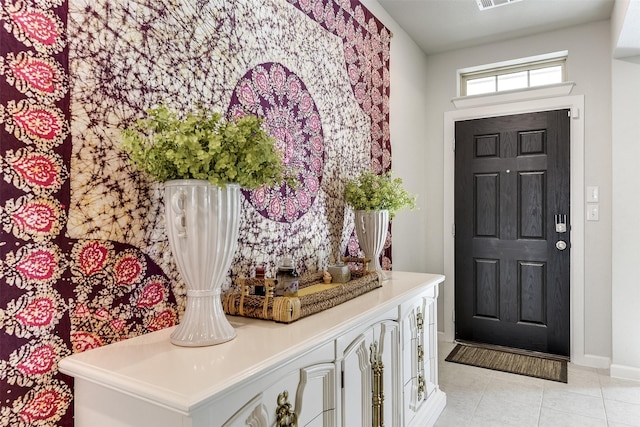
517	74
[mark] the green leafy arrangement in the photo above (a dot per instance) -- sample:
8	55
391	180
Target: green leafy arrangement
203	145
377	192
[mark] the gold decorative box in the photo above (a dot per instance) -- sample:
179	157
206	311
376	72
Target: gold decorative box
340	273
313	296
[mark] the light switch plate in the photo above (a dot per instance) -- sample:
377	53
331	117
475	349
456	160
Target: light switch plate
593	212
593	194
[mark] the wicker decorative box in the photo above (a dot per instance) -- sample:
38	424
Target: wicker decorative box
313	297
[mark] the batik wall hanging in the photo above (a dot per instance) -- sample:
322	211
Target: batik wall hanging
84	257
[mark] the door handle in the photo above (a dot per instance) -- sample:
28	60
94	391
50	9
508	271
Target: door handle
561	245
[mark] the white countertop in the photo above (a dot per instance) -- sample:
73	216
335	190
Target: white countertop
183	378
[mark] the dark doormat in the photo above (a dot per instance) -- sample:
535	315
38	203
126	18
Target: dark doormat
513	361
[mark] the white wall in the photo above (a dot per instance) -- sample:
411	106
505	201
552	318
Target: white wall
588	66
421	90
626	230
419	97
626	205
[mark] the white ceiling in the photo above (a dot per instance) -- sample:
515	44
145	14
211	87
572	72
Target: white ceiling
442	25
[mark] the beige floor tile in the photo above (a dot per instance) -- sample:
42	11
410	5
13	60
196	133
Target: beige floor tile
552	418
523	379
514	389
582	380
622	412
478	397
497	411
461	406
574	403
444	348
620	390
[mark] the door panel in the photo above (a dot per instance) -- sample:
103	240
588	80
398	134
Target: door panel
487	190
487	285
512	283
531	210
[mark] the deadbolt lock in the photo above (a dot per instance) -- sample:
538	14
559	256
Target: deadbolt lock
561	245
561	224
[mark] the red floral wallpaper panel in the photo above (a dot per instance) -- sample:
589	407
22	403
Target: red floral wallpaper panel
84	260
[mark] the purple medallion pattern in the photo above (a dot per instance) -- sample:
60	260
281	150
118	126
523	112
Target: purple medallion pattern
273	92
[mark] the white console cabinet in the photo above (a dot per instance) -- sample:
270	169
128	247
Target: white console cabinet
371	361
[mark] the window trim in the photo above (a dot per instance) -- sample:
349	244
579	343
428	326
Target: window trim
516	95
513	66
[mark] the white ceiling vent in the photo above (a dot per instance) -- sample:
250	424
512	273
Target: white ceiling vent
490	4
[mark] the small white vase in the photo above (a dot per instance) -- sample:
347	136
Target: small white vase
202	226
371	230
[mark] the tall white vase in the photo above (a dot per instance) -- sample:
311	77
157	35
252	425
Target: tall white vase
202	226
371	230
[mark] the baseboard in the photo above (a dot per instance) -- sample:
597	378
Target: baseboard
592	361
431	410
625	372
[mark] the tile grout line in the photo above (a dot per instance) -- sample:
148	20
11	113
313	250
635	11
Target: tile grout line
542	401
484	391
604	405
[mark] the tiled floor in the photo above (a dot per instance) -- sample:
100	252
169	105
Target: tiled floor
482	397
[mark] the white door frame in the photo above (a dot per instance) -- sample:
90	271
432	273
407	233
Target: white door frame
576	104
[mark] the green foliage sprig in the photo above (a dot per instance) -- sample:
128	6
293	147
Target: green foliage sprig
377	192
203	145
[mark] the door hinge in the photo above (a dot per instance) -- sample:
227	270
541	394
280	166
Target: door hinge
453	145
453	230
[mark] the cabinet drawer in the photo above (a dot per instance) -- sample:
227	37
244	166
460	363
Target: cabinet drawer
303	391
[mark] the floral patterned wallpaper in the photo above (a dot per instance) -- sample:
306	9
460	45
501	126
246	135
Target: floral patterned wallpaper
84	260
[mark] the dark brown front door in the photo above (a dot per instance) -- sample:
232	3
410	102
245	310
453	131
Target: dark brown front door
511	191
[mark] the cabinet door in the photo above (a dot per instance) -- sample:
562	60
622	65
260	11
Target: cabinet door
304	397
253	414
371	392
419	354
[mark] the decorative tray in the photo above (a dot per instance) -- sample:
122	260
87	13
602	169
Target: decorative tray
313	297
